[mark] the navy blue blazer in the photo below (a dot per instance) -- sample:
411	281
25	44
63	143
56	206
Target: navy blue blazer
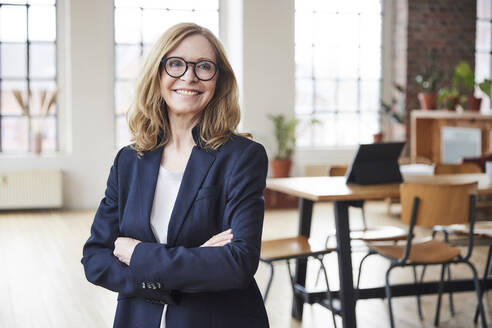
203	286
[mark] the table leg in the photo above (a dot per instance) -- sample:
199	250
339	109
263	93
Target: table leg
305	216
347	293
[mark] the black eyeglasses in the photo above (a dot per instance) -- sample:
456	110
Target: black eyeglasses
204	70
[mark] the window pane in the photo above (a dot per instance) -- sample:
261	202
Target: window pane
370	6
171	4
125	32
37	89
369	95
370	30
127	61
14	134
370	63
42	23
348	62
349	24
304	95
303	6
304	28
14	1
42	2
483	35
9	105
13	60
42	60
123	96
325	95
209	19
127	3
324	133
155	22
482	66
304	61
346	131
206	5
368	125
483	9
326	63
327	28
347	96
123	134
13	23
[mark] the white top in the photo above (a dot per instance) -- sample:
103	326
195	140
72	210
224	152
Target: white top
166	192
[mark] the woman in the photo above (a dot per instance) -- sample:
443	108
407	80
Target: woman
178	233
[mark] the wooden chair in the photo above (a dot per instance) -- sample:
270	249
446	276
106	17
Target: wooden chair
457	168
295	248
429	205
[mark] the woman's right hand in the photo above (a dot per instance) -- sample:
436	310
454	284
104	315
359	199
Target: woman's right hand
221	239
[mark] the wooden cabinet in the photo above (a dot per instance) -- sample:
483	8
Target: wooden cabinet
426	126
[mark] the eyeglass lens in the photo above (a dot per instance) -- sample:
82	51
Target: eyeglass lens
204	69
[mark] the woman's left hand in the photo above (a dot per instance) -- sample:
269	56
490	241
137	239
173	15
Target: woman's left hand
124	247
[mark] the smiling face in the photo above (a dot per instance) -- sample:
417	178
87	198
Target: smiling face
187	95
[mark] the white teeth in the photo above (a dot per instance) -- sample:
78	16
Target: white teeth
187	92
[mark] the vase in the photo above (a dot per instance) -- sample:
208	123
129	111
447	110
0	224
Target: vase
474	103
37	142
427	100
281	167
378	137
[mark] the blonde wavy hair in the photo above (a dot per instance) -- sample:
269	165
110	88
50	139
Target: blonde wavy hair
147	116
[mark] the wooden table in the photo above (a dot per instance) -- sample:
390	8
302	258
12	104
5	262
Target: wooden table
322	189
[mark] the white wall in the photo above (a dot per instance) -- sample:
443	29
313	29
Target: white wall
259	39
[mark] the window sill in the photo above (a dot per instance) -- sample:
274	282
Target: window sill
7	156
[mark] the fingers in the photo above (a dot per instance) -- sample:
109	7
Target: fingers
220	239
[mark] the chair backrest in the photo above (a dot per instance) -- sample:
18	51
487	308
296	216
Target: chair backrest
457	168
337	170
479	160
414	160
439	204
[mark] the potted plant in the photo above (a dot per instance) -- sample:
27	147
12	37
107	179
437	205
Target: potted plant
47	100
448	98
285	135
428	81
486	87
465	77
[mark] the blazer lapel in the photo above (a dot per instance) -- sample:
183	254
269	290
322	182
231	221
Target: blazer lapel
147	173
196	170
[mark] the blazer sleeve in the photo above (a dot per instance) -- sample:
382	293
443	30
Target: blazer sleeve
100	265
215	268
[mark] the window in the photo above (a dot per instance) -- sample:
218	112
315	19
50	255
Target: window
27	74
338	53
149	19
483	46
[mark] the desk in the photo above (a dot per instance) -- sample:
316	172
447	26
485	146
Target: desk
322	189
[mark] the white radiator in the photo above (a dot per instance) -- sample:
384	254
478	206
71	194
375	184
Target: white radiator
31	189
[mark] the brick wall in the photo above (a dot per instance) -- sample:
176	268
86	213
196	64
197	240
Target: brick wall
422	26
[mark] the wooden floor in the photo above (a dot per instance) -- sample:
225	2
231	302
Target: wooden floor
42	282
